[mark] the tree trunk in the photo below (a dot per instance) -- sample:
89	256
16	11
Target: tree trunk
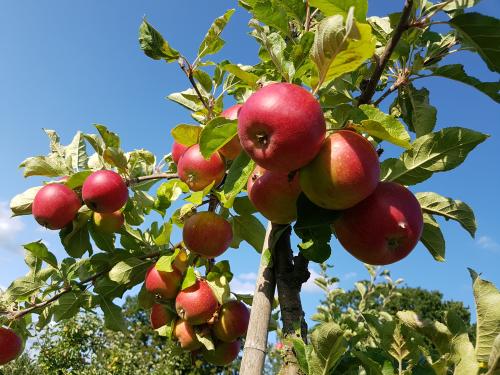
254	352
290	273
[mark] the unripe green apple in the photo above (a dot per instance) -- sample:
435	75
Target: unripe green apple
11	345
165	284
224	353
383	228
197	172
185	334
207	234
274	194
345	171
109	223
55	206
196	304
232	322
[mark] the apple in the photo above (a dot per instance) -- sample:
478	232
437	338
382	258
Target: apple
11	345
55	206
185	334
383	228
224	353
104	191
274	194
233	321
177	150
165	284
282	127
181	261
160	315
207	234
109	223
233	148
196	304
345	172
197	172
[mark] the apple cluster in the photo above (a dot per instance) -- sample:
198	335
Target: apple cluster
194	314
282	128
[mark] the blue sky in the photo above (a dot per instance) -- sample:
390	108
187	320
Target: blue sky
66	65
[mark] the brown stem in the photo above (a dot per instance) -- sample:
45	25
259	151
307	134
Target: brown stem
156	176
187	68
290	272
308	16
369	91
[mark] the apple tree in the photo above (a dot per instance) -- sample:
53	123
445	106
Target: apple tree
304	148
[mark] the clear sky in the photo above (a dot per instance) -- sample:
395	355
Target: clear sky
68	64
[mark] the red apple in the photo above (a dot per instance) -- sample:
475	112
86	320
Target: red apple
185	334
160	315
281	127
274	194
233	148
104	191
383	228
165	284
177	150
224	353
345	172
207	234
196	304
55	206
233	321
197	172
11	345
109	223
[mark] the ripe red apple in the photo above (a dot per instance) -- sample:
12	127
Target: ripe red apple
196	304
281	127
185	334
274	194
160	315
109	223
233	321
55	206
11	345
224	353
197	172
345	172
165	284
177	150
383	228
207	234
233	148
104	191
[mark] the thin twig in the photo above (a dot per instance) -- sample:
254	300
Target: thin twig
369	91
156	176
308	16
189	74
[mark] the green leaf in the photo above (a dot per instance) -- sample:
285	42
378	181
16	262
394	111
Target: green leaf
23	287
68	305
271	13
75	238
329	344
457	73
216	134
153	44
238	70
131	270
189	278
113	316
455	5
459	211
212	43
432	238
462	350
116	157
341	48
487	298
205	341
165	262
47	166
108	288
204	79
435	152
76	180
164	237
243	206
188	99
481	33
494	360
250	229
169	192
104	241
109	138
39	250
341	7
186	135
237	178
383	126
220	287
300	353
417	113
76	153
21	203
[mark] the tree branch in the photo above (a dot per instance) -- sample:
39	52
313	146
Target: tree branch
369	91
156	176
189	74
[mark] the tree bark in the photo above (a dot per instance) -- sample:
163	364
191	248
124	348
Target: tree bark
254	352
290	273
